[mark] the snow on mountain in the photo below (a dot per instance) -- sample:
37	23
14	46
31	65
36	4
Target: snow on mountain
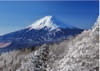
49	22
44	22
4	44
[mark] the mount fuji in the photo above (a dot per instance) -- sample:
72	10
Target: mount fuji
45	30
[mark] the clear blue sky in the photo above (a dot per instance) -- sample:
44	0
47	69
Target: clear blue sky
17	15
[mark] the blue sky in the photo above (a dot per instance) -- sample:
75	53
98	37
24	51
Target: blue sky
15	15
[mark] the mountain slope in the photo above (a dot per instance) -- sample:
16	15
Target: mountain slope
45	30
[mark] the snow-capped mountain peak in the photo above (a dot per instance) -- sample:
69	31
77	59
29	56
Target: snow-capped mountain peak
49	22
44	22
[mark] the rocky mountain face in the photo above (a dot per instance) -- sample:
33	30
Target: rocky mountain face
80	53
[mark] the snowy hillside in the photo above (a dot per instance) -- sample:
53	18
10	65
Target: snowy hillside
80	53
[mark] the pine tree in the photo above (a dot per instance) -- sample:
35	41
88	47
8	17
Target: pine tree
41	59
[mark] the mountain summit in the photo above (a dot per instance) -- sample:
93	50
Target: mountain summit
49	22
